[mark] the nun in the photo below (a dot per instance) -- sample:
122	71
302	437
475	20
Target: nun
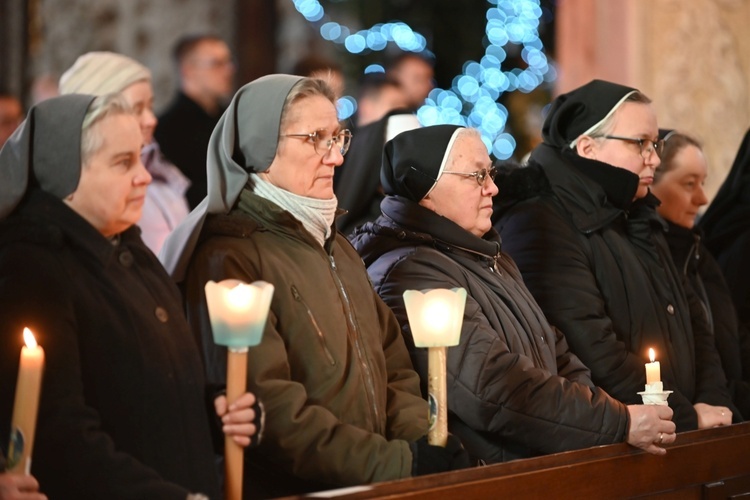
516	382
581	224
124	409
342	401
99	73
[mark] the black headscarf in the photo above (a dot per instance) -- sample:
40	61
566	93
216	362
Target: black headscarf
414	160
44	151
578	111
729	212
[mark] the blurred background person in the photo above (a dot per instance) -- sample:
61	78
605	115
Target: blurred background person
314	66
382	113
206	73
678	183
99	73
11	116
415	72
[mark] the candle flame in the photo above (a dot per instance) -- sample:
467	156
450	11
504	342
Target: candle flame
651	355
240	297
28	337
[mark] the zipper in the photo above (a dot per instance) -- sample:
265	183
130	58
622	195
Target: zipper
298	298
351	324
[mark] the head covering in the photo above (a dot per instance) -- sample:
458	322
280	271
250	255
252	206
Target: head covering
45	150
100	73
244	140
414	160
666	133
728	215
581	110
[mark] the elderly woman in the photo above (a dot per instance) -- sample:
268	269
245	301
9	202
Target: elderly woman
99	73
580	223
515	390
678	183
342	400
123	410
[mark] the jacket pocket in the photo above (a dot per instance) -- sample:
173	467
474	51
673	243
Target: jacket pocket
316	327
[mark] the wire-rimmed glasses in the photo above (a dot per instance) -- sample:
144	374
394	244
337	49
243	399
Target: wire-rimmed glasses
324	142
647	146
479	175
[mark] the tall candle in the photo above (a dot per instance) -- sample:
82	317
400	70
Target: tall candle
26	406
653	369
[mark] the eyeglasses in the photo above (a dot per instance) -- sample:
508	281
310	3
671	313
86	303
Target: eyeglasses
647	145
323	142
479	175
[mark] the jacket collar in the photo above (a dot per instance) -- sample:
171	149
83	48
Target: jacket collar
593	192
64	224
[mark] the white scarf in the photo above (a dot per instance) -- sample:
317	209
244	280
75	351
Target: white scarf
316	215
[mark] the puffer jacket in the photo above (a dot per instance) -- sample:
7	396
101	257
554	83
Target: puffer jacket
598	265
514	388
703	274
339	391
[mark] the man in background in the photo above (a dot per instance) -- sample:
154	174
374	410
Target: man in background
206	72
415	73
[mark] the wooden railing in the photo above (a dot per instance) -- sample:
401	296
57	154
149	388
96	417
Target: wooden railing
708	464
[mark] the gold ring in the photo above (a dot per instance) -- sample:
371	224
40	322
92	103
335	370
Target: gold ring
722	413
661	437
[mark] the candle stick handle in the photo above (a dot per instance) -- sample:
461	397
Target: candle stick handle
438	433
234	453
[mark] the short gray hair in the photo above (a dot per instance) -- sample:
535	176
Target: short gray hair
101	107
307	87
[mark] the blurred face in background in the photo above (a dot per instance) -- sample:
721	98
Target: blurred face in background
680	186
416	78
209	70
140	96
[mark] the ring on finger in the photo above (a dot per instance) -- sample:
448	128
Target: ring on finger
661	437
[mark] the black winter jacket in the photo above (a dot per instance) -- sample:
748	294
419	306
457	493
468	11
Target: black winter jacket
514	388
602	272
123	410
704	276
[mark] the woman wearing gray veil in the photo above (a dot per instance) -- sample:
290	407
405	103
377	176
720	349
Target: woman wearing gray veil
341	399
123	410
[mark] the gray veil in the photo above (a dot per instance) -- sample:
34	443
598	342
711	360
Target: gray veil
45	150
244	140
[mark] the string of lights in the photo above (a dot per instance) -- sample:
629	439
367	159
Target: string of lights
473	97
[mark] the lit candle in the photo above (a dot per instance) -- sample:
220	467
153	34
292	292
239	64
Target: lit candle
26	405
435	319
238	314
653	369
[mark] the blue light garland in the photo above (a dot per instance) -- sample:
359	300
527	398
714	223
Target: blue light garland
472	98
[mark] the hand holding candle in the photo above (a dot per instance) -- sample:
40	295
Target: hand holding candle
26	405
435	319
238	314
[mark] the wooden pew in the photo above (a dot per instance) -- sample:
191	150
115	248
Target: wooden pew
708	464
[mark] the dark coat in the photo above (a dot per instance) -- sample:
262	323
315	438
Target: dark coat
514	388
602	272
704	276
123	410
182	133
340	396
726	226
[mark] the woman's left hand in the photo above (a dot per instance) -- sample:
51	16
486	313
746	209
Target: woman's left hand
238	419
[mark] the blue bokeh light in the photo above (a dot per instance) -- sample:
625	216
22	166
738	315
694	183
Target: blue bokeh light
512	27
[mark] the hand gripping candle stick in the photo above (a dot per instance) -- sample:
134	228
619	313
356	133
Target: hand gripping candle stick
26	405
238	315
435	318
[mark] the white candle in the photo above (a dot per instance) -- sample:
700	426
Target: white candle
435	319
26	405
653	369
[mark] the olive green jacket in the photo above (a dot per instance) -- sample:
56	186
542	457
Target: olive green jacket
332	371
